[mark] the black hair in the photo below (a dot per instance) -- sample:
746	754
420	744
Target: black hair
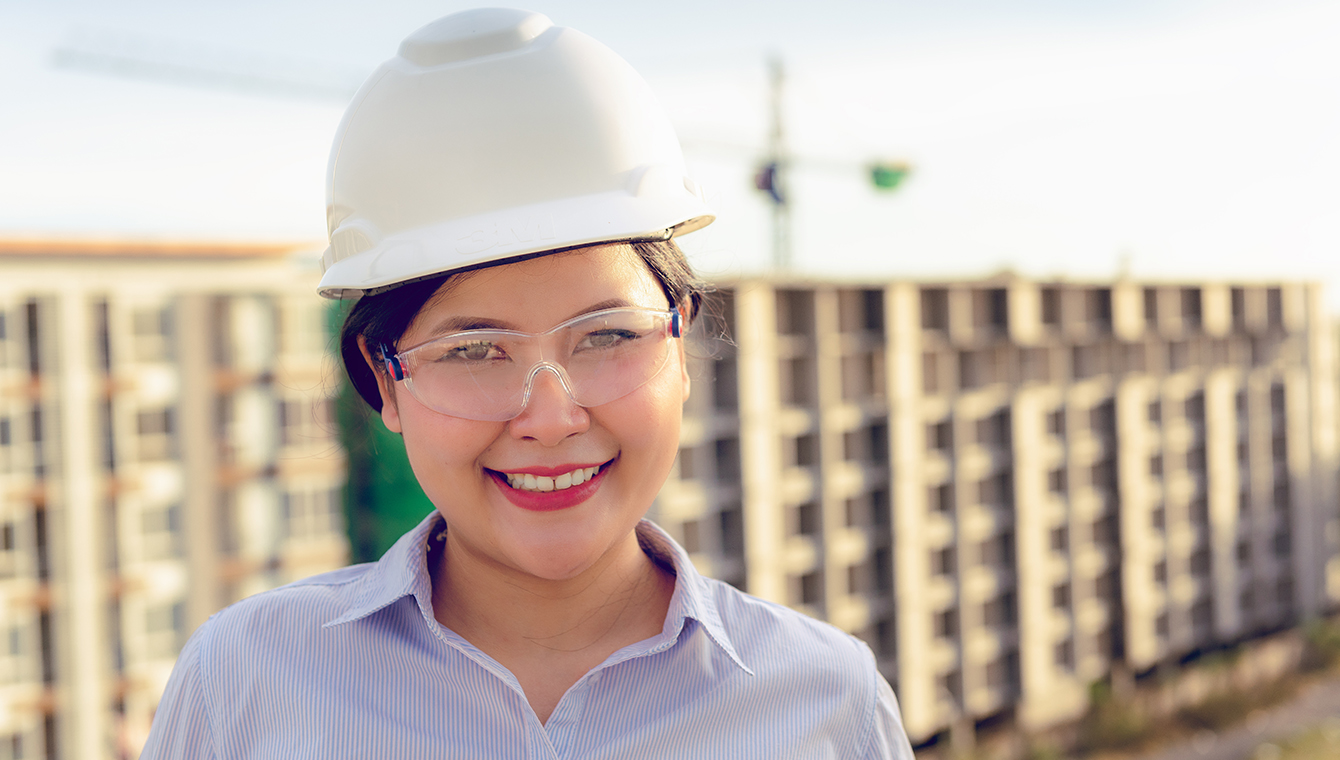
382	318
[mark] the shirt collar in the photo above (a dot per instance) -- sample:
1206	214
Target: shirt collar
693	597
403	571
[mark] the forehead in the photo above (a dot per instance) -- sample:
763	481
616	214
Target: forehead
535	294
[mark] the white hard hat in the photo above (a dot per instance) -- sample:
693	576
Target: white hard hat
493	135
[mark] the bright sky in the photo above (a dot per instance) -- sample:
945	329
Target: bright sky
1191	139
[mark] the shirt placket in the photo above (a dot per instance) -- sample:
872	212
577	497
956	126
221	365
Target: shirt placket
565	723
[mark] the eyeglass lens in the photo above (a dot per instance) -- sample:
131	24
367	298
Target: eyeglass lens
488	374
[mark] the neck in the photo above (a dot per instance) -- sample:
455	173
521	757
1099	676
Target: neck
621	599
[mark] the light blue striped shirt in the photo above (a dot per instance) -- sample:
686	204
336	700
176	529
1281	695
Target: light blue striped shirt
353	664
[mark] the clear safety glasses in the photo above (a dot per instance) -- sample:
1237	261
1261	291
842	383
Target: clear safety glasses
488	374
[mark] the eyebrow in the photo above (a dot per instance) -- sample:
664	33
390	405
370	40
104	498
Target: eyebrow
461	323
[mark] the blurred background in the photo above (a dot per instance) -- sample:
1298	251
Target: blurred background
1031	380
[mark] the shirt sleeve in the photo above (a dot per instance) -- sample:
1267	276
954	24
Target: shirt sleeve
888	740
181	724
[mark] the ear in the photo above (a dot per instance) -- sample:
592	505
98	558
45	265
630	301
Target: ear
385	386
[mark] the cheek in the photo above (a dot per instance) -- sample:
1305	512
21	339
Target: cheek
441	448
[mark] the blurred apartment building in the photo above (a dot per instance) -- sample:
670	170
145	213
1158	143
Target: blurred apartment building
165	449
1009	488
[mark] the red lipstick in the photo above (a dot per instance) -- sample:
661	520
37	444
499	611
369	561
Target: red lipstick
548	501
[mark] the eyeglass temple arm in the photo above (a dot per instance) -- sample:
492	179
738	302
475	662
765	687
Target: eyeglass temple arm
392	362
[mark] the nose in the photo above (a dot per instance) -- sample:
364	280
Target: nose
550	415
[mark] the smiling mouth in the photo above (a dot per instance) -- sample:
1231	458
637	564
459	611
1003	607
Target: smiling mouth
546	483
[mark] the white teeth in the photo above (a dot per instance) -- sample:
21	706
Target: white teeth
544	483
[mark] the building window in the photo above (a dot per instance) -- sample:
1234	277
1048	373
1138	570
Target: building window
1056	481
938	436
935	309
303	422
302	330
1063	654
151	329
1098	307
165	629
309	513
1056	423
1274	308
691	533
1051	306
941	498
1200	562
1002	673
943	561
1103	419
806	519
1191	310
990	308
930	373
809	588
1061	596
1034	366
1001	611
802	451
1060	539
996	490
949	687
997	550
727	452
946	624
162	533
157	434
995	429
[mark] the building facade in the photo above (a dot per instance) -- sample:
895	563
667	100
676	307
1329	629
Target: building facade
1012	489
165	449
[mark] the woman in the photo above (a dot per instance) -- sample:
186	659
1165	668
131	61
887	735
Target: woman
503	197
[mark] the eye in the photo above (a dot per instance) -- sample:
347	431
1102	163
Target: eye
475	351
606	339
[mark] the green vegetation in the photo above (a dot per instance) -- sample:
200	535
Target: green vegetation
1323	645
382	498
1221	711
1111	724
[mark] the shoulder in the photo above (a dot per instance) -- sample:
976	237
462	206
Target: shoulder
824	670
758	627
288	617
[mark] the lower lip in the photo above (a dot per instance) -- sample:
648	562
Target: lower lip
549	501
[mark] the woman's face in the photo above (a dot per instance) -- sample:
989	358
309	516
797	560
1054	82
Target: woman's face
463	465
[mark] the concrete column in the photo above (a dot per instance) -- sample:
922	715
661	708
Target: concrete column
1321	360
1222	481
197	444
1033	580
1305	509
1216	307
1139	600
1128	310
828	394
1024	302
916	676
760	454
85	684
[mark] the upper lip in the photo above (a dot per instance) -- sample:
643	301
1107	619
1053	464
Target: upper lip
551	472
